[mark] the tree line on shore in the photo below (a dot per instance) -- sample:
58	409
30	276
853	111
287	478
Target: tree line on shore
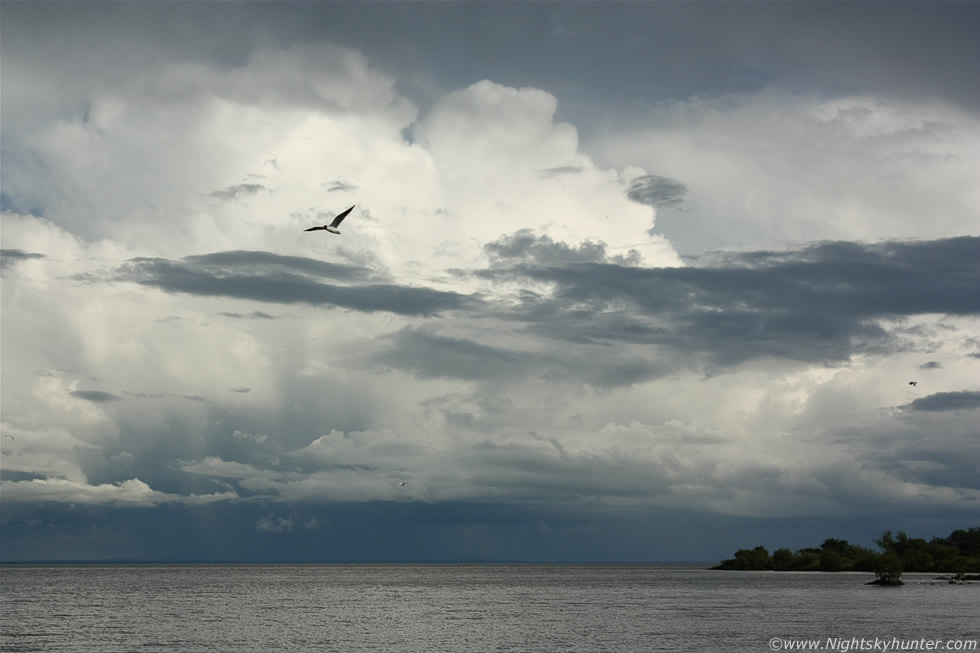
956	554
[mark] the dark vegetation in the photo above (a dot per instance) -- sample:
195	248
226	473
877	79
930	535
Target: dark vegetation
956	554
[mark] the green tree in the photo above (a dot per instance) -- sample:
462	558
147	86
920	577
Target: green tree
782	559
916	560
888	568
966	541
753	559
864	560
806	560
886	542
958	553
830	544
831	560
942	552
748	560
958	566
901	541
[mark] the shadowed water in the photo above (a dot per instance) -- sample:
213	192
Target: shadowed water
429	608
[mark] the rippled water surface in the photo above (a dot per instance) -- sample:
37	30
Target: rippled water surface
539	608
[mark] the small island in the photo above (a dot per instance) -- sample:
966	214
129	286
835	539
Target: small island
956	555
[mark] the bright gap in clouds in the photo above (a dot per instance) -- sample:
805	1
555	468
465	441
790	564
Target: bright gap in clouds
770	168
501	322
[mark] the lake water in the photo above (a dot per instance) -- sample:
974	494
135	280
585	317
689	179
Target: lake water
429	608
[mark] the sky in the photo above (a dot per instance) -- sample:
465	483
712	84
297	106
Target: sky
622	281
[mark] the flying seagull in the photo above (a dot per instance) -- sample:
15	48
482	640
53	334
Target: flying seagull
913	383
402	483
332	227
7	435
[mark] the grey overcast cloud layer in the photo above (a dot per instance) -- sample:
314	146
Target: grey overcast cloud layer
623	281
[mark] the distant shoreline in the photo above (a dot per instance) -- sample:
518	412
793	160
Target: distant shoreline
956	555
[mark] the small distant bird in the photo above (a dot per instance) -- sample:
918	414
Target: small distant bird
402	483
332	227
913	383
7	435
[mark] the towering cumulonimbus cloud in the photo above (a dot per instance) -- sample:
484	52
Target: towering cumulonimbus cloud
571	308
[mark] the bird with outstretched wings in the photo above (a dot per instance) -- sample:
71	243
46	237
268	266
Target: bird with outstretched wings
332	227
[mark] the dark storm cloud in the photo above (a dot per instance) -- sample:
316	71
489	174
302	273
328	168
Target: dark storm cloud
8	257
252	260
946	401
236	191
254	315
428	355
820	303
931	365
717	47
525	246
658	50
659	192
448	531
560	171
692	48
265	277
163	395
95	396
